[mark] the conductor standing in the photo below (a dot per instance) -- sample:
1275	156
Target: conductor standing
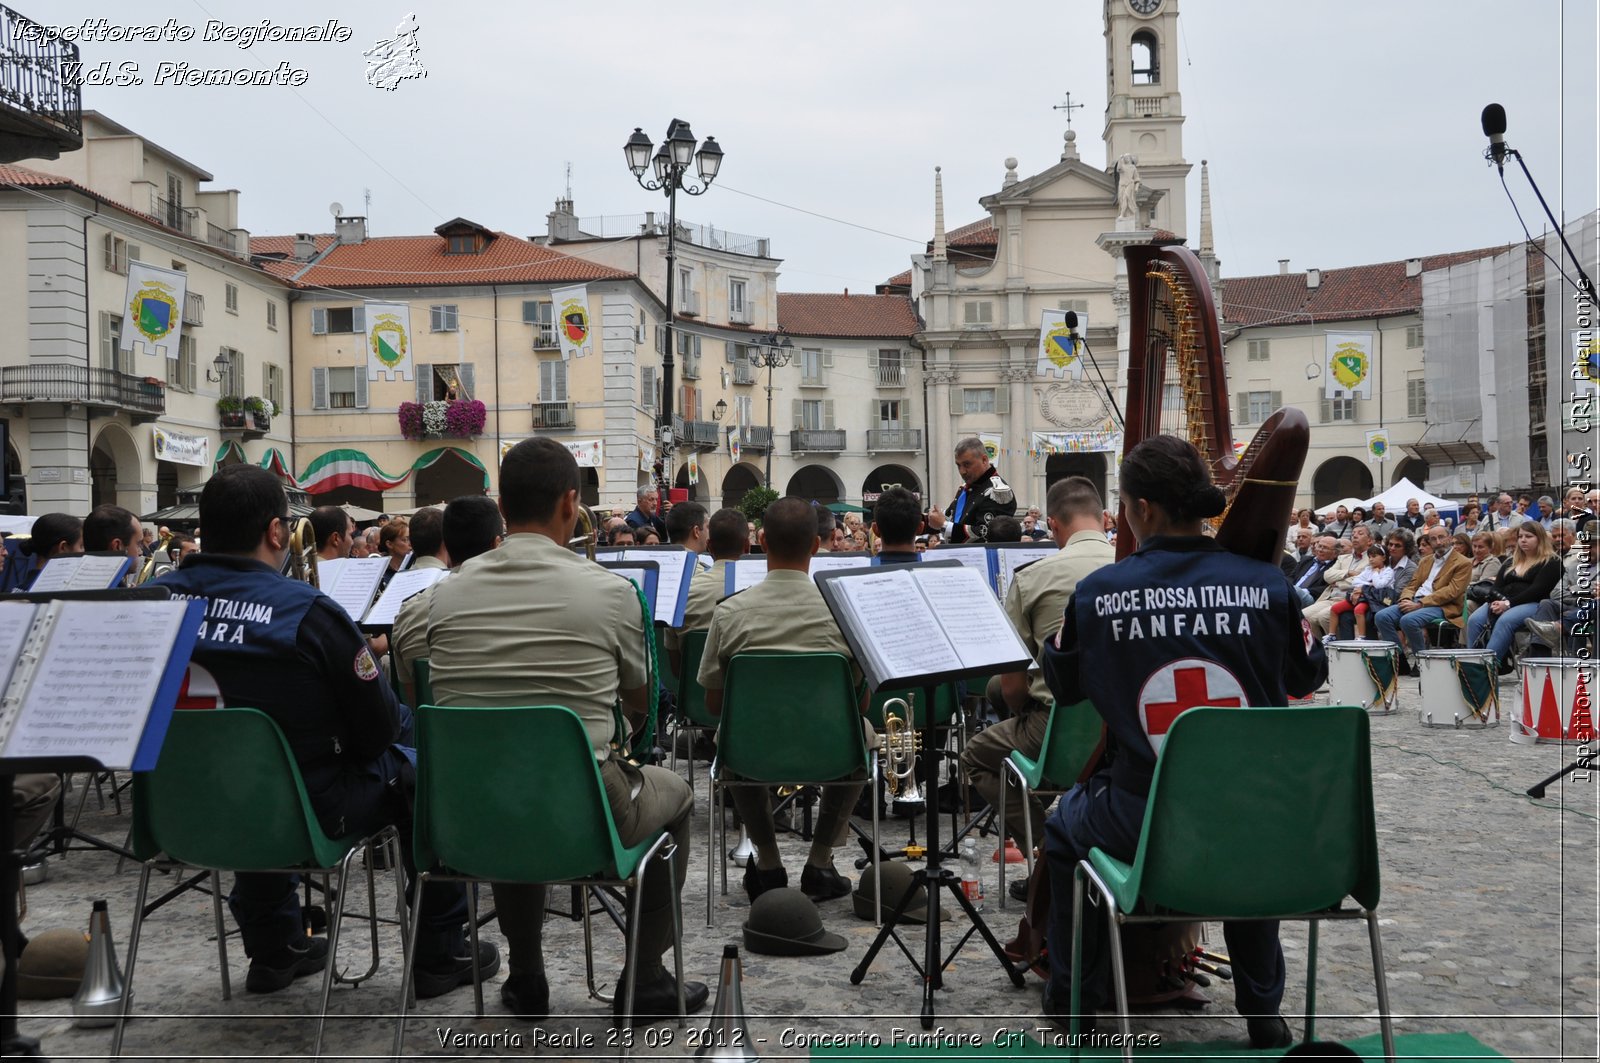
982	498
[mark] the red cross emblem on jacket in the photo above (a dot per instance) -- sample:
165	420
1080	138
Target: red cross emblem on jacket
1181	685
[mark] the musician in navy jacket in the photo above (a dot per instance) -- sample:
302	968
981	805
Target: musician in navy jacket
1181	622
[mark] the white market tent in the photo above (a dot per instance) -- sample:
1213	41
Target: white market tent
1333	507
1395	498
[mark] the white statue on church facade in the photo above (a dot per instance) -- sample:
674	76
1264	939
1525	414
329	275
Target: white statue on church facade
1128	186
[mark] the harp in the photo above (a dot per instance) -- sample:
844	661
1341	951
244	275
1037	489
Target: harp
1177	386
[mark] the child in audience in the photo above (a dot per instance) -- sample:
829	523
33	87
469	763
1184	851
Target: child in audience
1368	587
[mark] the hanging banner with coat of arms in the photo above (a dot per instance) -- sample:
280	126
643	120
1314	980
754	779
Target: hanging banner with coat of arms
1061	349
1349	366
735	443
1378	445
152	316
388	341
573	324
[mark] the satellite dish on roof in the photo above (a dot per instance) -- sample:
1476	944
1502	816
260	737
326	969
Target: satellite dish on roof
336	208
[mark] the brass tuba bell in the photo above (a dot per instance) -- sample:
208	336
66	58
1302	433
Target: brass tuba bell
900	745
586	536
302	561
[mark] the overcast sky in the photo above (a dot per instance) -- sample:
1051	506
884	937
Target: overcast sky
1338	133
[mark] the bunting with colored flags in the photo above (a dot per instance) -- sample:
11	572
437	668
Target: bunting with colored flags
388	341
152	314
1061	348
574	328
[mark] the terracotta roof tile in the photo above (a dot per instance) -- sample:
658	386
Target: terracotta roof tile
977	234
1378	290
899	280
421	261
22	175
284	245
845	316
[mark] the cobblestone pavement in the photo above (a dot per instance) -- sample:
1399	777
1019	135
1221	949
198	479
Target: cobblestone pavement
1489	925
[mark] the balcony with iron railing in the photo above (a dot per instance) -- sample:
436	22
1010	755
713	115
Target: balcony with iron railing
891	439
756	437
689	303
705	434
176	216
891	374
554	415
744	373
612	226
41	103
223	238
103	391
814	439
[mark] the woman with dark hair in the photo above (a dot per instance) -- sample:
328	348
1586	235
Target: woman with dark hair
1140	649
1523	582
53	535
1401	545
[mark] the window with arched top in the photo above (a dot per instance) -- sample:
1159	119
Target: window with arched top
1146	57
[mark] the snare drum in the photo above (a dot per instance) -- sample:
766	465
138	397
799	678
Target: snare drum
1460	688
1556	701
1362	672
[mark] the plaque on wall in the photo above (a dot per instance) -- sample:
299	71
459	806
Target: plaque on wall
1076	405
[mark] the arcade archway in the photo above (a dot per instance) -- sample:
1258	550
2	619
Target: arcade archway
1340	477
114	469
816	483
739	480
884	477
449	475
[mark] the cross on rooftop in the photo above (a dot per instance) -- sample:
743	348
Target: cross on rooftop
1069	107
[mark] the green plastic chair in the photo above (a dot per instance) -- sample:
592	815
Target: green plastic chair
788	719
1285	831
693	716
227	796
945	704
478	819
1070	739
422	681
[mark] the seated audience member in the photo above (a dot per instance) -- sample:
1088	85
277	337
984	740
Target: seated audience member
1380	523
1337	581
1485	564
1005	530
783	613
1434	592
1564	623
1306	577
533	623
299	658
1374	578
1526	580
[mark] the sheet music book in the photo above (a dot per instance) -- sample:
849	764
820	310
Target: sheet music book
81	572
404	585
351	582
675	568
1009	557
646	575
914	625
979	559
93	678
745	572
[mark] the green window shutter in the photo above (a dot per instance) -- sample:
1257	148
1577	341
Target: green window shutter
319	388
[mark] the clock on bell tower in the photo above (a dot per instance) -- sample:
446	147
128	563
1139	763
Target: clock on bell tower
1144	112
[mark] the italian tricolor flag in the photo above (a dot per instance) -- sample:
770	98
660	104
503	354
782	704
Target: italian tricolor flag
347	468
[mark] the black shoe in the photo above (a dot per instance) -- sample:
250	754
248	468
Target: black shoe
823	883
1018	889
1269	1032
757	881
527	996
437	977
655	999
268	974
1507	666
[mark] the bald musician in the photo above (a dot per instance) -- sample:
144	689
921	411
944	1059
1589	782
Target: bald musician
783	613
533	623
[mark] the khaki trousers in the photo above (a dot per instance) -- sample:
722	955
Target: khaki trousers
984	758
663	802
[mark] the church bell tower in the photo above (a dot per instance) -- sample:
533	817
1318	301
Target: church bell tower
1144	112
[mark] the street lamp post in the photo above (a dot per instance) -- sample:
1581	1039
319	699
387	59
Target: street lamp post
770	351
671	166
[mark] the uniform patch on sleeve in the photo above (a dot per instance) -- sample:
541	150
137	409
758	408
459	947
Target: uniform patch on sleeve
366	667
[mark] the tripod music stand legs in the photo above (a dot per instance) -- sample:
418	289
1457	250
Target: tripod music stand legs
933	878
13	1043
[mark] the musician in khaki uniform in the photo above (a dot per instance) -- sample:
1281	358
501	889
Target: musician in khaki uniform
532	623
725	539
1035	603
783	613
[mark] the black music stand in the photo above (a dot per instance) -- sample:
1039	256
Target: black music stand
933	876
14	1043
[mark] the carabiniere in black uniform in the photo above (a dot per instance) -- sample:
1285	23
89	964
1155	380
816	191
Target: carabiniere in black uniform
977	504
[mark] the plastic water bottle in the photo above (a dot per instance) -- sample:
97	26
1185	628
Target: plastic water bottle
971	873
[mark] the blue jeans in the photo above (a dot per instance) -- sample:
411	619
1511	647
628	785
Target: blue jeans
1505	628
1414	625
